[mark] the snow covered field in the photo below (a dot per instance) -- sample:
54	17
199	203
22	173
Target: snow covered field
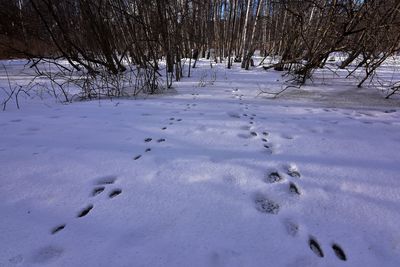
209	175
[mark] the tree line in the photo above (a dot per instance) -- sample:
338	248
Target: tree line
107	35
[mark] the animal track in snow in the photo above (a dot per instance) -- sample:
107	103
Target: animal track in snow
115	193
85	211
266	205
97	190
58	229
274	177
265	133
268	148
106	180
292	171
286	136
339	252
233	115
390	111
291	228
148	139
253	133
161	140
137	157
244	136
164	128
147	150
294	189
315	247
47	254
264	139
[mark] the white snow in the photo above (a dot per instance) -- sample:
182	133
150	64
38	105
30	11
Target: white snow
202	195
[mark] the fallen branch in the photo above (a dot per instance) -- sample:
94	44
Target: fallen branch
394	89
277	94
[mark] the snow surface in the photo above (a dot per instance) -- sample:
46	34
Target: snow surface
219	185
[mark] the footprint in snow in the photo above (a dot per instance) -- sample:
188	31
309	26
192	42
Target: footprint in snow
339	252
179	120
147	150
106	180
268	148
97	190
368	122
244	136
148	139
171	119
390	111
58	228
85	211
253	133
47	254
115	193
315	247
266	205
265	133
294	189
164	128
264	140
233	115
292	171
273	177
161	140
286	136
137	157
291	228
